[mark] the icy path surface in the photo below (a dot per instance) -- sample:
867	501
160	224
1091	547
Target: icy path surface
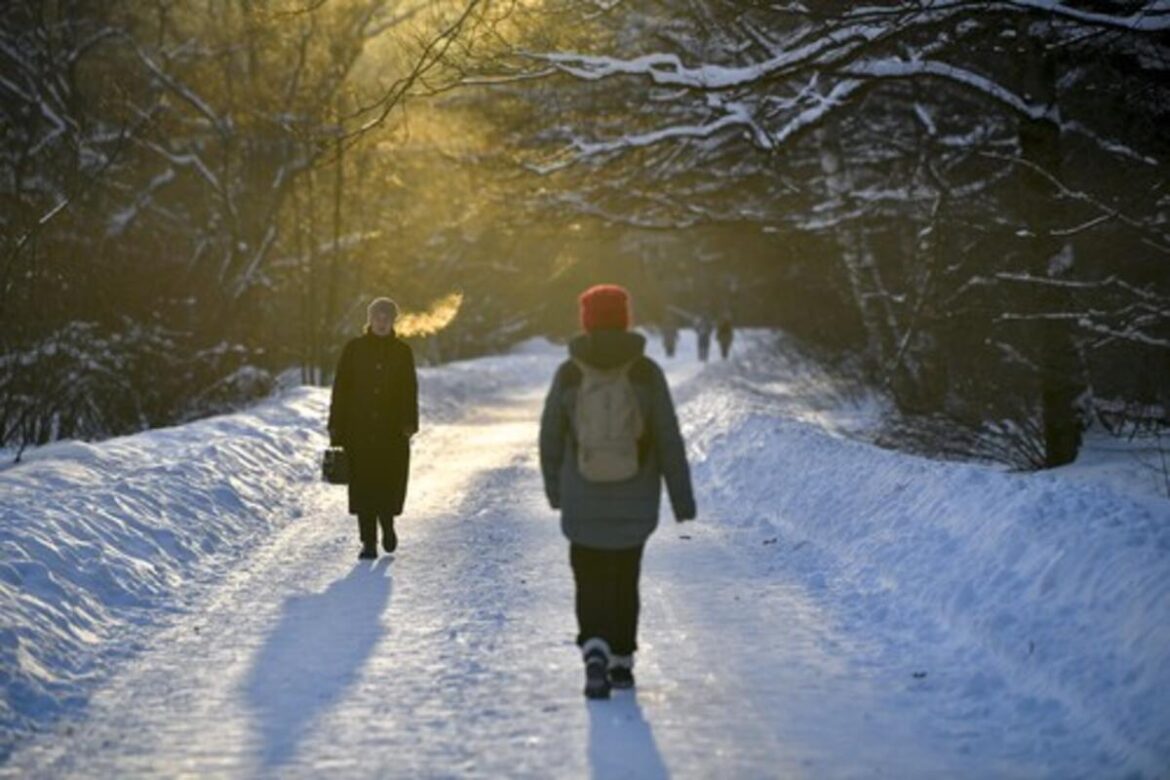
453	657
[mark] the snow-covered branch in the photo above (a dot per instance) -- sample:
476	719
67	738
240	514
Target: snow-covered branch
667	69
899	68
185	92
1156	238
1088	322
1154	17
189	159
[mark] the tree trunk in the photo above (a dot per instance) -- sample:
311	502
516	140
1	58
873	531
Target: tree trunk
1060	374
330	324
313	281
865	285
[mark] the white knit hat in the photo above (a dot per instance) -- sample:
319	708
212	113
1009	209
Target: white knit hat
382	304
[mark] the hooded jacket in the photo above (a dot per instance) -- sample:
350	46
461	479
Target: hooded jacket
614	515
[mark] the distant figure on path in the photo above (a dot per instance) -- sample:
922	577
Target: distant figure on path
703	329
669	338
608	437
373	414
724	334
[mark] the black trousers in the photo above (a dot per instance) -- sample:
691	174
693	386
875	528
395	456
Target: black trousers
368	527
607	595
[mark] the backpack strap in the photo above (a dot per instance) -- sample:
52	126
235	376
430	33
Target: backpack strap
585	368
572	370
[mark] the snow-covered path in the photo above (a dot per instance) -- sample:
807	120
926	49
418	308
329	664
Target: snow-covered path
454	656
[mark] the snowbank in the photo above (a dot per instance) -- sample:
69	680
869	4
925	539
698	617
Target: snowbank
98	539
1061	586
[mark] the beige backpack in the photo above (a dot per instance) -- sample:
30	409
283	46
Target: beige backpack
608	423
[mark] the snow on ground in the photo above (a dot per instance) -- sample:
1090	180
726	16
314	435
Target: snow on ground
1138	466
99	540
186	601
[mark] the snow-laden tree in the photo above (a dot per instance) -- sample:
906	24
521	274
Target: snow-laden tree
986	181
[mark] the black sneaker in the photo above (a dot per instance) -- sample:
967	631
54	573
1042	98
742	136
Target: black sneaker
620	677
368	553
389	539
596	679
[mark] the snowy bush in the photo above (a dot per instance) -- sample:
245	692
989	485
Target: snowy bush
86	382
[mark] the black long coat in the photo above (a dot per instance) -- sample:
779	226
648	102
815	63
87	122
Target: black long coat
373	412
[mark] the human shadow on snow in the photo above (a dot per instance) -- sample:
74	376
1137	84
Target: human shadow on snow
621	742
316	652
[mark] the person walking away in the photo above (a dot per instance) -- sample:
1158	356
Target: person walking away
703	330
372	414
669	338
608	439
724	335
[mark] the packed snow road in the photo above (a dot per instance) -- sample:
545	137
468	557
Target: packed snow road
454	656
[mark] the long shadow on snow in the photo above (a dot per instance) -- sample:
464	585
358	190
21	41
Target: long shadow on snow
316	652
621	742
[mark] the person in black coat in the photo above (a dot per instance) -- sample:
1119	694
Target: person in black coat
703	329
724	333
373	414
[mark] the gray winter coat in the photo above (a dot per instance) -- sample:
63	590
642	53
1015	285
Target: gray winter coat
614	515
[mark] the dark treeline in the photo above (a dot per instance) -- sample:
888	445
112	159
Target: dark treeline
199	196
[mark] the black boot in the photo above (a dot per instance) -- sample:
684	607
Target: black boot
596	653
621	678
621	671
368	533
389	538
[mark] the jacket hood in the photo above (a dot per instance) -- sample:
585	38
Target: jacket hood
606	349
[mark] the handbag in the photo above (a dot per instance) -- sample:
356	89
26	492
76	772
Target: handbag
335	466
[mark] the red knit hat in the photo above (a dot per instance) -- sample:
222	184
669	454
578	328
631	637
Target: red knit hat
605	307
